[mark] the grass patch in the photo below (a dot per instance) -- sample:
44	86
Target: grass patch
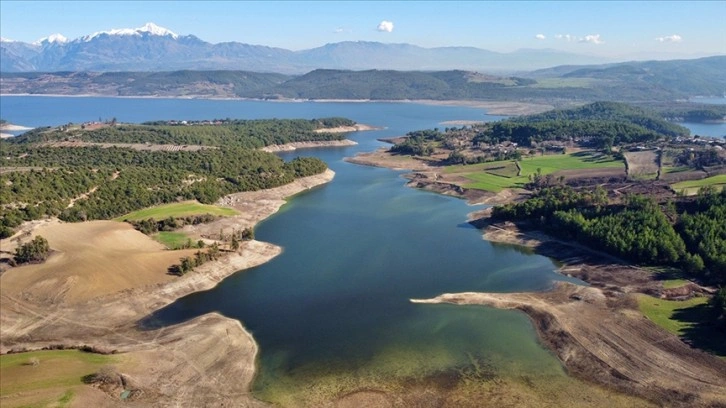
183	209
689	319
55	375
663	312
172	240
691	186
495	176
674	283
554	83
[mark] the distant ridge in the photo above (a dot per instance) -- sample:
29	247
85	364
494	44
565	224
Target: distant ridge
639	82
154	48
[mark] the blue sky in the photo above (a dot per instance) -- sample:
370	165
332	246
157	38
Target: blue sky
599	28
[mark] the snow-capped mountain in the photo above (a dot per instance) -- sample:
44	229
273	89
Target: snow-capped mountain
148	28
52	39
155	48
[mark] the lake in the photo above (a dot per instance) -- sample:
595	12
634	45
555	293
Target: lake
332	312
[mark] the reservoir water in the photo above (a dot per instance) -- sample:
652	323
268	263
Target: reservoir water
332	312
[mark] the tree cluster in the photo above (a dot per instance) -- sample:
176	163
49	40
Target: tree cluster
35	251
188	263
151	226
250	134
638	230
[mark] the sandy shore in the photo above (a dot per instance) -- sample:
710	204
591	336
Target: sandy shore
503	108
358	127
8	127
190	364
12	128
288	147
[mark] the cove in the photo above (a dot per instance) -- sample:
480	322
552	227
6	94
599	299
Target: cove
331	313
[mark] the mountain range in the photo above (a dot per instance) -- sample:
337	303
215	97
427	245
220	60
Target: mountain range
154	48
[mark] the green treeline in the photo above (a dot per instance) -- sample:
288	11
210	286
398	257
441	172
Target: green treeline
126	180
84	183
418	143
638	230
250	134
603	123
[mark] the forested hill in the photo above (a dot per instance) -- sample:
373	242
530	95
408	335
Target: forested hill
603	123
636	82
224	132
81	172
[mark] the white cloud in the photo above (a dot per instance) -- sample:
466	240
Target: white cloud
540	36
386	26
670	38
592	39
565	37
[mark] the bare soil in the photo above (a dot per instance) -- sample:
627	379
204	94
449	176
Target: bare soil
642	164
307	145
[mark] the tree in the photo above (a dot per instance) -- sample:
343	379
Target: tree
248	234
34	251
718	307
234	244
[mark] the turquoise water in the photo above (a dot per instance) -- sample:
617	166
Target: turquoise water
332	312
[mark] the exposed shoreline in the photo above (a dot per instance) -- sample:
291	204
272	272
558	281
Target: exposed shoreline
170	362
597	333
497	108
288	147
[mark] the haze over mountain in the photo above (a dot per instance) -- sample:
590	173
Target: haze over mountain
154	48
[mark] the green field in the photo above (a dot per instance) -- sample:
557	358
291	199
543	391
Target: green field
661	312
183	209
674	283
691	187
50	382
554	83
172	240
495	176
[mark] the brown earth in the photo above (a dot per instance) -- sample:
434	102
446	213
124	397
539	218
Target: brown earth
642	164
382	158
358	127
308	145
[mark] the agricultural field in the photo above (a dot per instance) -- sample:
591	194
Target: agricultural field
691	187
642	165
172	240
177	210
495	176
89	260
47	378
